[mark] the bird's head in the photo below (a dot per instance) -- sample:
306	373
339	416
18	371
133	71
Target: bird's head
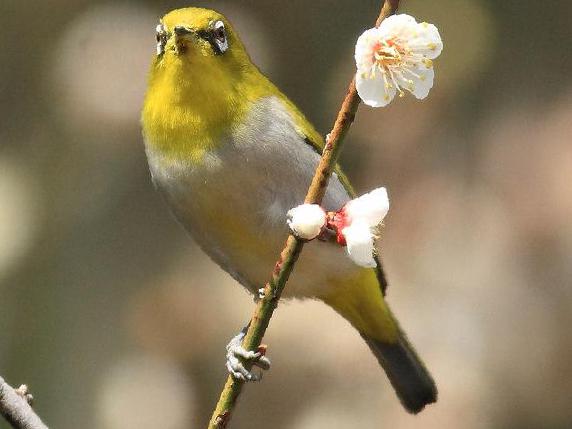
201	83
200	42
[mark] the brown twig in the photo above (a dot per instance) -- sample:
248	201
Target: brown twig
15	407
273	290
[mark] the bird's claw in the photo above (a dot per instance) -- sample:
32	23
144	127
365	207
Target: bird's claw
235	353
261	293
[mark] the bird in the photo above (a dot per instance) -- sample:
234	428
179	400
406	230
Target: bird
231	154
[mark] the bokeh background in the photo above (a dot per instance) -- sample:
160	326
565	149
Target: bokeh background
116	319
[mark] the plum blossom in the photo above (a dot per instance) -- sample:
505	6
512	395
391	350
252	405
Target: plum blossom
355	224
394	57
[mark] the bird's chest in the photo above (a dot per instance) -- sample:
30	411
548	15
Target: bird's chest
250	180
234	202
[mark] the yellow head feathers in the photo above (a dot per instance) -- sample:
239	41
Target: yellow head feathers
201	38
202	84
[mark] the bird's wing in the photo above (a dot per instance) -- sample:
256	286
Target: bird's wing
318	146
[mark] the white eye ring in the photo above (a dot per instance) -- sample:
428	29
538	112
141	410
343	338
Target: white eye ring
219	36
161	38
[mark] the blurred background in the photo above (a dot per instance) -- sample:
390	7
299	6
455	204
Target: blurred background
116	319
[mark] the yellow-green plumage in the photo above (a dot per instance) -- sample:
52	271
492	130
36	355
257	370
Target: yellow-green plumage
190	126
231	154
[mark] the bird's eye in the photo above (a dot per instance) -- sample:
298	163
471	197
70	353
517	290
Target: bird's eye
219	37
219	33
161	39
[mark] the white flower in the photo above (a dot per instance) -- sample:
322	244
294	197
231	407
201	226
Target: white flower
394	57
306	221
360	219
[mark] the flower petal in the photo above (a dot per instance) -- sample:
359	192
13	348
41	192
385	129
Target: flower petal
373	91
423	84
427	41
417	79
365	48
360	244
370	208
397	25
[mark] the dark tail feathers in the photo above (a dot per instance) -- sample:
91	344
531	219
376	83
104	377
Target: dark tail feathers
410	379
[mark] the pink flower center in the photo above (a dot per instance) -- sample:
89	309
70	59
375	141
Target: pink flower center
388	52
337	221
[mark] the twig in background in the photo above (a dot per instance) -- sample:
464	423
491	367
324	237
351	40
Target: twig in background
15	407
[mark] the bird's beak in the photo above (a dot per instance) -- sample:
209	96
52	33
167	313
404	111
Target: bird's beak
181	40
181	31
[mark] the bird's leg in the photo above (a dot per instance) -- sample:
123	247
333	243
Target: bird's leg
235	352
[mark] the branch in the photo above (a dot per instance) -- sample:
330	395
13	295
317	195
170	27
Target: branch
15	407
289	255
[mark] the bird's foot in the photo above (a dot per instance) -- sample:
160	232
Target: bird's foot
261	293
235	352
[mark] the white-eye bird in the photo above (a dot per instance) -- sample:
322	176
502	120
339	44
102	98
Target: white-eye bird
232	154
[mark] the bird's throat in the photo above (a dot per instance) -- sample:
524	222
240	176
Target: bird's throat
188	108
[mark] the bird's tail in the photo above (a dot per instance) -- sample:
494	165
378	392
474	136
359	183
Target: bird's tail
406	372
364	307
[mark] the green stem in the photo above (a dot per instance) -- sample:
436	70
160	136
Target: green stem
289	255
